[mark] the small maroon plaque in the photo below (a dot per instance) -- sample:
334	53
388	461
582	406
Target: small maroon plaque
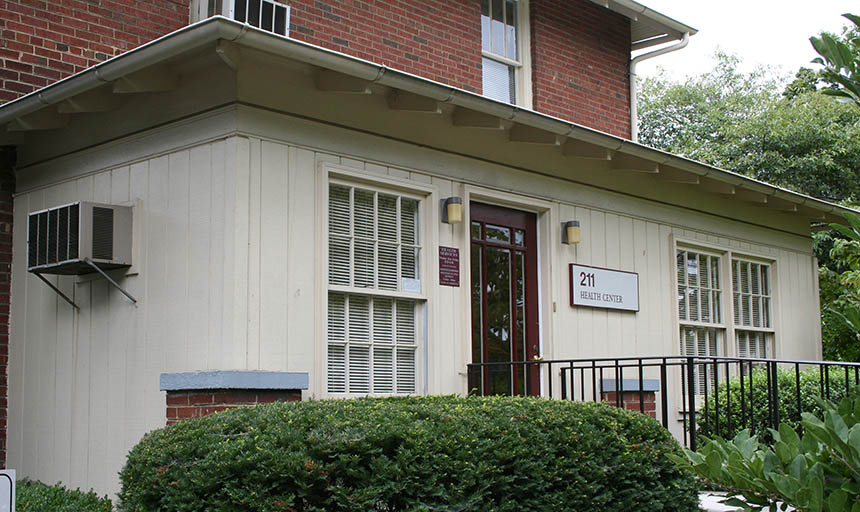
449	266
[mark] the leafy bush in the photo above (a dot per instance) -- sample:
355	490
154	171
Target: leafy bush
818	472
38	497
416	454
755	417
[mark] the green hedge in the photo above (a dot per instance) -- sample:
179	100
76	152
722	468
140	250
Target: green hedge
409	454
33	496
757	421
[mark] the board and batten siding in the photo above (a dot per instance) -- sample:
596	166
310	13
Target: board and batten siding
228	273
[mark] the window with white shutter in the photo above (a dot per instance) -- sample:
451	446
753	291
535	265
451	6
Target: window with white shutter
700	309
374	256
751	294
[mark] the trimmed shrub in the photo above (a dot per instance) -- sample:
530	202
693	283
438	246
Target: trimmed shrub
812	387
31	496
409	454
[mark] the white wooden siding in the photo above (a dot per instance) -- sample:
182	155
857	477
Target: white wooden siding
228	276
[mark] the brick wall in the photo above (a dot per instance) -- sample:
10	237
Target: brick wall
45	40
436	39
193	404
580	64
7	188
630	401
580	51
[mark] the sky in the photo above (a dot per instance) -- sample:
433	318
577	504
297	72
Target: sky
770	32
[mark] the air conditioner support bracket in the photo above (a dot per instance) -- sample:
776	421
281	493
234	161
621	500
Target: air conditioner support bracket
59	292
110	280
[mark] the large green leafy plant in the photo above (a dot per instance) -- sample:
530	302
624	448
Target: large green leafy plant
818	472
841	61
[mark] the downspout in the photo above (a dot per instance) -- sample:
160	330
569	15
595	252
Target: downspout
634	104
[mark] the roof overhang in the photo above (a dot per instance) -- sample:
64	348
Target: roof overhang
44	109
648	27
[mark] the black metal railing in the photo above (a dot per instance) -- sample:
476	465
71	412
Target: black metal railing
691	396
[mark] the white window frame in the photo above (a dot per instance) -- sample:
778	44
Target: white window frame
729	341
340	175
720	328
769	331
523	66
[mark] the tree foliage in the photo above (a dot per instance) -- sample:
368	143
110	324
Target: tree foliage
751	123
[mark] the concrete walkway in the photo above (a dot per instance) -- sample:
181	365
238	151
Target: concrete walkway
710	502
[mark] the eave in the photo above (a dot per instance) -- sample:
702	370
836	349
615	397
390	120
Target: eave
143	69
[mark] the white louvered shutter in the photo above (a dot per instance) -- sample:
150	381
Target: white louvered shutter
374	244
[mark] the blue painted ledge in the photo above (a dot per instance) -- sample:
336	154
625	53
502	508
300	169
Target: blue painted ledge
233	379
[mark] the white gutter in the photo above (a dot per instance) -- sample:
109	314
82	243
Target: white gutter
634	86
220	28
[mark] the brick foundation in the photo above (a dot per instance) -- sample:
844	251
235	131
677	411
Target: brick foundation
7	188
630	401
201	402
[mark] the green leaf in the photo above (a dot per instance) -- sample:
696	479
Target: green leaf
798	468
714	463
838	500
816	497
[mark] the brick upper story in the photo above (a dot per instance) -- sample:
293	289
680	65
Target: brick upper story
579	51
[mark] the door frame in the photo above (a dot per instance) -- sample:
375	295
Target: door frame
545	213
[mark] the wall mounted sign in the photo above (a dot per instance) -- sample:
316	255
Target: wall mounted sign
449	266
602	288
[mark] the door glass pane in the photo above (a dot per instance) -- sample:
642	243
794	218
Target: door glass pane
476	231
498	289
477	318
519	237
520	339
498	233
522	353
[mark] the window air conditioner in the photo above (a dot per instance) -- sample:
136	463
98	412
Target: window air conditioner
61	240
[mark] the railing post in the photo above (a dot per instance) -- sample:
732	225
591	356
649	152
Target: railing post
549	375
716	398
743	400
775	395
691	392
664	395
728	400
563	384
797	392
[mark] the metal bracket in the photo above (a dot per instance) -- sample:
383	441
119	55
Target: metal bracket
59	292
110	280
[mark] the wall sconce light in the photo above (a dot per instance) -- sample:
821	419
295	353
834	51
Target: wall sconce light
570	233
452	210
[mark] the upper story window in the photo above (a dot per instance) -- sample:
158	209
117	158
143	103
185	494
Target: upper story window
504	35
264	14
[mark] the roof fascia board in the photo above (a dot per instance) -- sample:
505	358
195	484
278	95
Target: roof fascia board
218	27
